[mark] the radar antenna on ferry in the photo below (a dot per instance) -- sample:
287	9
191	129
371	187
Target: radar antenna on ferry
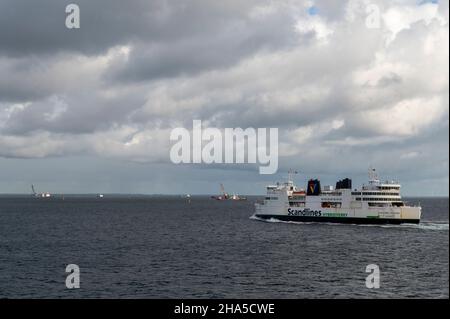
373	176
290	173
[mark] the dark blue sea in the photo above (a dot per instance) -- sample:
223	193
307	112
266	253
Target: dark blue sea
168	247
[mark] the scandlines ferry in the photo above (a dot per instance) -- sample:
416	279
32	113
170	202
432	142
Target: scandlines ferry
374	203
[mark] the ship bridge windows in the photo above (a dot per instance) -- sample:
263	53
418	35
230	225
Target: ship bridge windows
271	198
389	187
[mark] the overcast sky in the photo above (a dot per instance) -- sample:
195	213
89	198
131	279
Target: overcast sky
91	109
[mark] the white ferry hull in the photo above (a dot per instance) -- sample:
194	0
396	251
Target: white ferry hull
410	215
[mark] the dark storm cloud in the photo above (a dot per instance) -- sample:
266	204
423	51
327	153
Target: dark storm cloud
218	43
19	79
12	93
38	27
166	38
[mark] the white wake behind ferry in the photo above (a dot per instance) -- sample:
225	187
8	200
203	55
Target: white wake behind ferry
375	203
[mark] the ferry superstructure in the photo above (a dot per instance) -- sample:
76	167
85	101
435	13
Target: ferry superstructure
375	203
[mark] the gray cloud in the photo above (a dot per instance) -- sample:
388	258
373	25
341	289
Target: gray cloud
343	96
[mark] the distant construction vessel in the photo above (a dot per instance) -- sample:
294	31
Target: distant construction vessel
42	195
226	196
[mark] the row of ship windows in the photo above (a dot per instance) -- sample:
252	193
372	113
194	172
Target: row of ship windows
376	199
375	193
354	193
358	198
324	204
339	205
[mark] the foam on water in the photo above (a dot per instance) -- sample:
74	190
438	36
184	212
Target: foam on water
424	225
274	220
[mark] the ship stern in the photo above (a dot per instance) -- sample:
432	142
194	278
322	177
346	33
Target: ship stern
411	214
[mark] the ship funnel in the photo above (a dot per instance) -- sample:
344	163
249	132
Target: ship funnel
313	188
346	183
